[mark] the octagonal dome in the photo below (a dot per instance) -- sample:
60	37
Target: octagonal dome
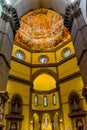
42	30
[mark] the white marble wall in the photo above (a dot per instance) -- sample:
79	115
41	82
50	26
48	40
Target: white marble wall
83	6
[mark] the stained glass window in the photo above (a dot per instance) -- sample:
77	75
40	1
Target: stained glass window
36	100
20	54
54	99
43	59
46	121
66	52
45	100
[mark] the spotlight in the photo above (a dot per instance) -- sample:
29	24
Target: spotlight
7	2
73	1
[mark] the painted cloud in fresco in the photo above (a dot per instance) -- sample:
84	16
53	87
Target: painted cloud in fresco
41	29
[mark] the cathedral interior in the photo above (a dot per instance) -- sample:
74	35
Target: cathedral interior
43	64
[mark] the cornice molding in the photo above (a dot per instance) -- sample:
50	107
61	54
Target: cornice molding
20	80
10	14
69	77
48	51
44	65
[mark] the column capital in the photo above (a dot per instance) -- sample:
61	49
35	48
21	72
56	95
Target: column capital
4	96
10	14
71	8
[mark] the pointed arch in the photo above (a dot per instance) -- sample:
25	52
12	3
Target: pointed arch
44	71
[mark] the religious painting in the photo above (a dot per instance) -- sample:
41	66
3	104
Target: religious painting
41	29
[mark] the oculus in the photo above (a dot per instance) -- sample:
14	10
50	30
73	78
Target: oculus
43	59
66	52
20	55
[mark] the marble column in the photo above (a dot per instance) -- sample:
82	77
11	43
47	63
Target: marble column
79	36
9	23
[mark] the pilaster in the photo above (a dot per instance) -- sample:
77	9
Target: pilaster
8	25
79	36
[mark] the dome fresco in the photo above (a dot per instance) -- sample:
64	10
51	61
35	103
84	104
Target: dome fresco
42	30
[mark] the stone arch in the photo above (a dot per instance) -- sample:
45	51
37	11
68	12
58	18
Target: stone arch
44	71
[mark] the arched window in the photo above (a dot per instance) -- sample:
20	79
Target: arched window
54	99
45	100
36	100
46	121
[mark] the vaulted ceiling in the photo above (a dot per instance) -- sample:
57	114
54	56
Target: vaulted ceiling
41	23
42	30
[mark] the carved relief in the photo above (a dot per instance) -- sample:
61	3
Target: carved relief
3	99
15	117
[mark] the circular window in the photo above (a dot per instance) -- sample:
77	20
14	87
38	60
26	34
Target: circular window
20	54
43	59
66	52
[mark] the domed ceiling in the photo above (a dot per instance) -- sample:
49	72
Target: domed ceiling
42	30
